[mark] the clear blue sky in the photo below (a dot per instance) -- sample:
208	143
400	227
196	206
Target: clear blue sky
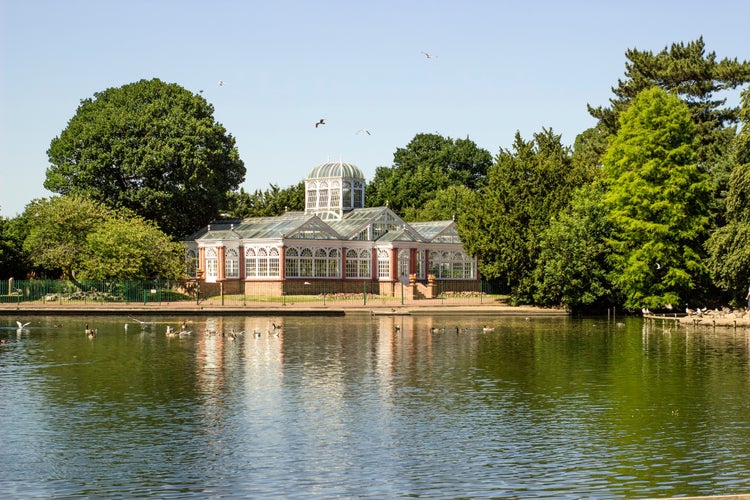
500	67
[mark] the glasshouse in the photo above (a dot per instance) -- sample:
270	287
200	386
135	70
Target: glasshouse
335	239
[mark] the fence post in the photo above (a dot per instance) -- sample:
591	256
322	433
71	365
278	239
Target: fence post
324	292
364	294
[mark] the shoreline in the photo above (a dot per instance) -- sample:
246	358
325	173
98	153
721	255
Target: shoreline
173	308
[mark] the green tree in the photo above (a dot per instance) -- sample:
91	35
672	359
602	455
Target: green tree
151	147
429	163
687	71
729	246
657	199
269	203
452	202
131	248
84	239
13	262
527	186
572	268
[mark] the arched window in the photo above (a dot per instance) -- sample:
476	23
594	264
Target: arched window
323	195
334	262
403	262
451	265
358	263
292	263
384	264
262	262
306	263
231	263
212	264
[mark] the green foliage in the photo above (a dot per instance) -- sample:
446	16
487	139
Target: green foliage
131	248
526	187
429	163
13	263
572	268
658	202
150	147
450	203
729	246
84	239
692	74
269	203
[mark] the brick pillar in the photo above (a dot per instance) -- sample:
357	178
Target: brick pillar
202	262
242	262
221	263
412	261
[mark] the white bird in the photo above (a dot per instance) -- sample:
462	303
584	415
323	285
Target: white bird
21	326
322	121
220	83
429	56
363	130
306	283
488	329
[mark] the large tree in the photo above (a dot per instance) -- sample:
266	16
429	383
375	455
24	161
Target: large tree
729	246
151	147
526	187
84	239
429	163
657	199
690	73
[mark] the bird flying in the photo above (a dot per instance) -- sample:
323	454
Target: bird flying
322	121
429	56
363	131
220	83
21	326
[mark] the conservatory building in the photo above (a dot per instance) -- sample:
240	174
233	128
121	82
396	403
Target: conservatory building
335	239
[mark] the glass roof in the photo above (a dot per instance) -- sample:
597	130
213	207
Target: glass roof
310	225
336	169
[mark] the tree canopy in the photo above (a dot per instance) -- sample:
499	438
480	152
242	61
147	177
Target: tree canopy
151	147
429	163
657	198
83	239
269	203
526	187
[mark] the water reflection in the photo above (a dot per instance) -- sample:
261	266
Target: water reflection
382	406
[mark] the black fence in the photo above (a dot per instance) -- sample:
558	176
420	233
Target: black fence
321	292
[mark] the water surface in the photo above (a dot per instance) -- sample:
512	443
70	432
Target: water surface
433	407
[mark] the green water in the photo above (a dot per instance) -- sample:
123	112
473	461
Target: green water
379	407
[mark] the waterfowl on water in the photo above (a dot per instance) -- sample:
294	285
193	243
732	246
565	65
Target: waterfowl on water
91	332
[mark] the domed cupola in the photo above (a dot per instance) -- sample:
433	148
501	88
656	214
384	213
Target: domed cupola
334	188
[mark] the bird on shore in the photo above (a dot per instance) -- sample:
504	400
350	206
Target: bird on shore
322	121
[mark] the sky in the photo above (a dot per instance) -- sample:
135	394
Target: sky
498	68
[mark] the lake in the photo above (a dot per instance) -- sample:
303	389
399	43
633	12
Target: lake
372	406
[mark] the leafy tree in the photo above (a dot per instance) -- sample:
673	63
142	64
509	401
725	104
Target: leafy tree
429	163
729	246
572	269
84	239
13	262
58	228
450	203
693	75
150	147
271	202
131	248
526	187
658	202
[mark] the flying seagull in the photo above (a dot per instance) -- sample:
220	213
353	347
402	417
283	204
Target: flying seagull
363	130
429	56
220	83
322	121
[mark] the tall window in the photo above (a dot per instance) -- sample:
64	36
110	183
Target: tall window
335	195
292	263
212	263
312	199
323	195
420	264
358	263
306	262
347	192
403	262
359	195
191	263
231	263
384	264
